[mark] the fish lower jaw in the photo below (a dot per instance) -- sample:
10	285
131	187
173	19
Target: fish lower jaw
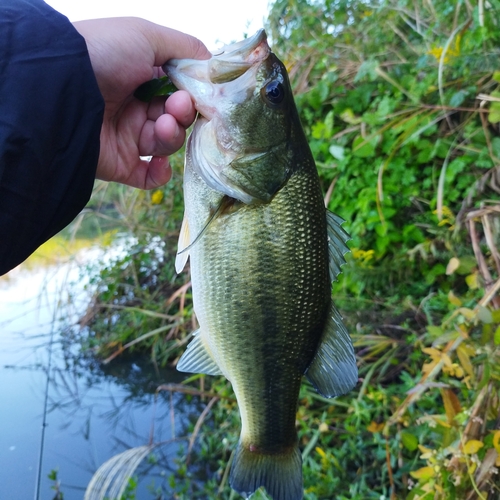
206	112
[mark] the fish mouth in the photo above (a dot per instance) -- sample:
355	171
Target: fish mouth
234	60
218	86
229	75
226	64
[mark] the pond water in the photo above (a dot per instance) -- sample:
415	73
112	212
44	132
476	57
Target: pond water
61	411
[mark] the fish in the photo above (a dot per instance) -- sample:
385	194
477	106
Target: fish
263	253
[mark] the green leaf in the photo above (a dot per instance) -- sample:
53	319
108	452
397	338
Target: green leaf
434	331
156	87
484	315
432	274
367	69
467	264
454	300
348	116
410	442
472	281
495	146
494	114
337	152
363	148
425	155
458	98
329	123
486	376
496	336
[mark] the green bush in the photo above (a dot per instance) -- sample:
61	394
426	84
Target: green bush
396	129
401	104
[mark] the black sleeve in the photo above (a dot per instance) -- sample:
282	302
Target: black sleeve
51	113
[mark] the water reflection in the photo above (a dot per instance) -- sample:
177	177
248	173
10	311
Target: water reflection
91	412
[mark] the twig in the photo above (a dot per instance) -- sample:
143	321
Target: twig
488	234
458	108
441	62
198	425
226	473
481	262
389	468
144	337
480	8
329	192
393	82
486	97
191	390
442	178
484	123
403	37
181	291
146	312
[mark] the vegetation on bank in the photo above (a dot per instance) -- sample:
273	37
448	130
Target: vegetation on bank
401	102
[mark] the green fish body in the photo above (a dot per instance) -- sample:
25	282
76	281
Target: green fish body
263	251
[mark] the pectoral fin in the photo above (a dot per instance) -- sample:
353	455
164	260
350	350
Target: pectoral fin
337	239
185	244
197	359
182	246
333	370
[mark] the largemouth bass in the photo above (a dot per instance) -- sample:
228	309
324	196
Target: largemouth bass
263	252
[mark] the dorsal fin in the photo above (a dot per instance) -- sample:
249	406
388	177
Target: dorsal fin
337	248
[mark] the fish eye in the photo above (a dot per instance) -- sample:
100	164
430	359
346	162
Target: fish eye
274	92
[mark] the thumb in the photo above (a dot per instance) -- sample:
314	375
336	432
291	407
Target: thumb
168	43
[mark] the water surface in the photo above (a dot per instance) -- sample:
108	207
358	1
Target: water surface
90	412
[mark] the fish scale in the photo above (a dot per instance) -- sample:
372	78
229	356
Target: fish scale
263	252
281	310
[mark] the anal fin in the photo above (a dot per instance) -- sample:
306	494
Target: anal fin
333	370
197	359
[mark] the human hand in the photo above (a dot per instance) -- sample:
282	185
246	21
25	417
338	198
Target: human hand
126	52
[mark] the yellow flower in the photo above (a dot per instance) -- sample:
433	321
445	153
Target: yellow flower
363	256
448	216
374	427
452	51
455	370
472	446
426	452
157	197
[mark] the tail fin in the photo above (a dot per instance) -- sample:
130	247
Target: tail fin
279	473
